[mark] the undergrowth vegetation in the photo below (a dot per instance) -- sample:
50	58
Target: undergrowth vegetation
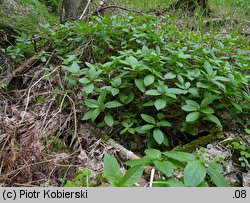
155	74
147	76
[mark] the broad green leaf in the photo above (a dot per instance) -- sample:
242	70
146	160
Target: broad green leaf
131	176
187	85
148	80
140	84
194	174
145	50
147	127
177	164
102	97
158	136
163	123
165	141
149	103
107	64
115	91
91	103
170	75
207	110
89	88
170	95
160	183
158	50
160	116
180	156
109	120
179	64
87	115
112	169
122	97
43	59
143	161
208	67
165	167
191	117
222	78
203	184
90	65
174	183
148	118
160	103
192	103
189	108
184	56
220	85
112	104
84	81
237	106
153	153
217	178
175	91
194	91
130	98
95	114
203	85
207	101
117	82
74	68
180	79
215	166
126	99
132	61
153	92
214	119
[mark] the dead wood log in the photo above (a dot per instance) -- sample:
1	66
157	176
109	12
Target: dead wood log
123	153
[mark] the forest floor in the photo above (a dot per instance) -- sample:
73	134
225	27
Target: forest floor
50	84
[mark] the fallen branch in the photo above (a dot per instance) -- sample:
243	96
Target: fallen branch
116	7
19	70
85	9
123	153
152	177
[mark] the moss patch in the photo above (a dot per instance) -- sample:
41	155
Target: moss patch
215	134
25	15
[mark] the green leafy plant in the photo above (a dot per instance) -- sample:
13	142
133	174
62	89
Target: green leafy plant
201	110
244	154
82	179
113	173
195	169
97	106
153	128
193	83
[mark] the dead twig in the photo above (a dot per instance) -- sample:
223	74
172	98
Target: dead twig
19	70
85	9
152	174
28	96
18	170
123	153
116	7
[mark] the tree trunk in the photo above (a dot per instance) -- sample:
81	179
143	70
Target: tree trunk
192	5
71	8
